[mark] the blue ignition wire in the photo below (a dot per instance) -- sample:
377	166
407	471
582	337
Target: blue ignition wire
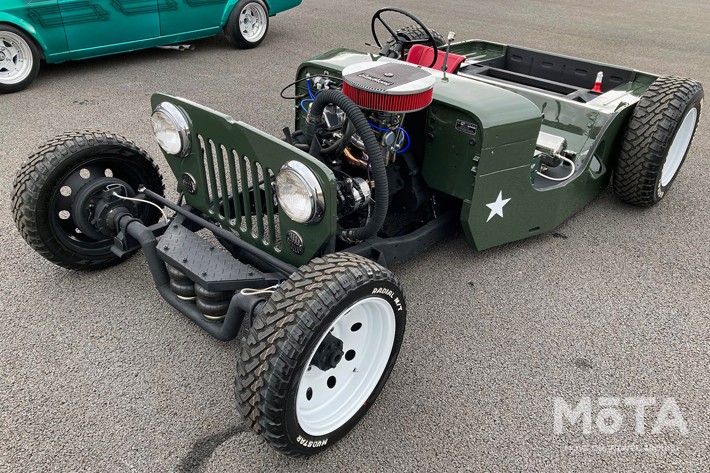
303	106
409	141
377	127
310	91
406	135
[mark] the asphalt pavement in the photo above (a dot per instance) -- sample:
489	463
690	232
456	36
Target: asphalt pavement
98	374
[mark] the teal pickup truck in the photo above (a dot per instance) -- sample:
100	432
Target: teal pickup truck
62	30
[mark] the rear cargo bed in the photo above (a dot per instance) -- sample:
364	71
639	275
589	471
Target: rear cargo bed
559	75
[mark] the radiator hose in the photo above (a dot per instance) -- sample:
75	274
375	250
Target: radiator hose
314	121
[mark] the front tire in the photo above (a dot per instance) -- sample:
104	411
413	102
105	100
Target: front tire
19	59
55	189
657	140
320	352
248	24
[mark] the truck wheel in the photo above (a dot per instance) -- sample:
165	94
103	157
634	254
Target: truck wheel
247	24
320	352
19	59
657	140
55	192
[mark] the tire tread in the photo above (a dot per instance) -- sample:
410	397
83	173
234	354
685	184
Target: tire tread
648	137
282	331
33	174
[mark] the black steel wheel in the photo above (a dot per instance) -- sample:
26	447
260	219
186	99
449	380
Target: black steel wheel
19	59
657	140
248	24
56	192
320	352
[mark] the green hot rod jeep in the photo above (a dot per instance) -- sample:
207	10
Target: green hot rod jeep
389	154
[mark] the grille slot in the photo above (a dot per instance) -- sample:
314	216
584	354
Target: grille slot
235	189
241	194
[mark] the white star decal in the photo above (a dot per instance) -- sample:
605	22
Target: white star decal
497	206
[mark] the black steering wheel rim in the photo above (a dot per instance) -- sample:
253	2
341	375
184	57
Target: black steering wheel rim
430	37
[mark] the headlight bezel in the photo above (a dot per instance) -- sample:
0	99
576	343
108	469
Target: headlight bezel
178	119
313	189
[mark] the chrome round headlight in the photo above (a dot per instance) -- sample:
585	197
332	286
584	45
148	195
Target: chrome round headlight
171	129
299	193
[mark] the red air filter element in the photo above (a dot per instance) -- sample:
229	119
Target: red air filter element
393	87
388	103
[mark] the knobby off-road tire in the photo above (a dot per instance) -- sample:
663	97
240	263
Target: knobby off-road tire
19	59
45	189
280	392
415	33
657	140
248	24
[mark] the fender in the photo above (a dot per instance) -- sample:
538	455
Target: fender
52	42
273	6
27	27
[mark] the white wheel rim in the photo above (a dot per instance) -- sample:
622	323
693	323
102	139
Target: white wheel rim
321	409
679	147
252	22
15	58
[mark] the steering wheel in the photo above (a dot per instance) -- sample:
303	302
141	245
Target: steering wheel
386	50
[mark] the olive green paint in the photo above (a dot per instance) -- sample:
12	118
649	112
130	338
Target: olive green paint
499	158
240	140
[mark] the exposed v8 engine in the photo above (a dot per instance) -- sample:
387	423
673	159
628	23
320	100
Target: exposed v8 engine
356	126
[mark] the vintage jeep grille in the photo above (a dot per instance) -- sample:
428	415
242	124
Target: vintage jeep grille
228	176
242	194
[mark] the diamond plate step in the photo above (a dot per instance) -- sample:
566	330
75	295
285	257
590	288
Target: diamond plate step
206	265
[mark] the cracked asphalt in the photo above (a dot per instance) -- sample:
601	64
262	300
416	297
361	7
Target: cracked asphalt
97	373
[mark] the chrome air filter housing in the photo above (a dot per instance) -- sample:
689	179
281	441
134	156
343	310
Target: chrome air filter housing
394	87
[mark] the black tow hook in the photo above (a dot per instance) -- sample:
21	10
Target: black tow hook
329	353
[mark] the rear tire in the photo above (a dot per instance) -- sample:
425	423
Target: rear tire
248	24
657	140
51	182
19	59
285	387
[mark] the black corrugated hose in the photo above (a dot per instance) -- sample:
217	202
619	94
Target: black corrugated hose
372	147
